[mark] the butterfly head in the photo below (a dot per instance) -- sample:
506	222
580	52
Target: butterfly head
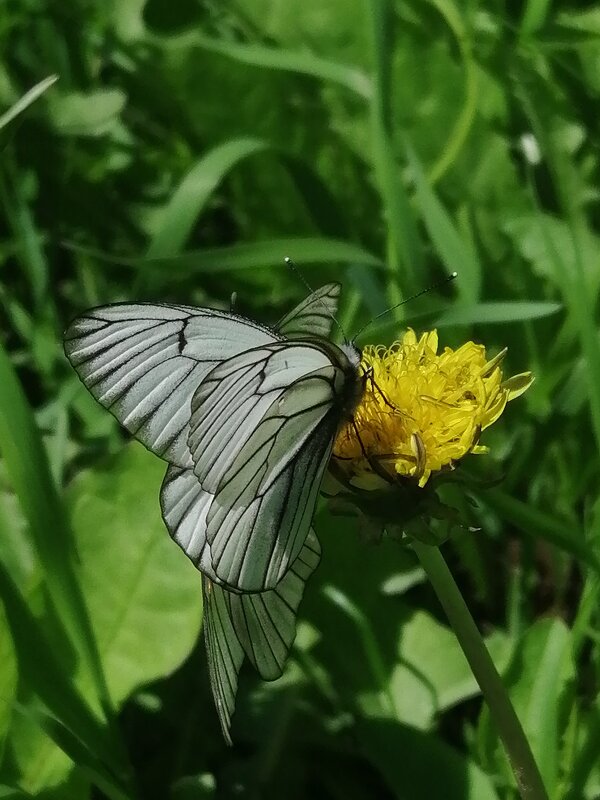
352	353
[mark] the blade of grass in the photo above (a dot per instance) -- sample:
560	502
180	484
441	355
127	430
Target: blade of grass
27	99
259	55
404	253
27	466
30	253
86	760
45	675
370	645
574	286
268	253
196	188
191	196
533	523
456	254
497	313
464	122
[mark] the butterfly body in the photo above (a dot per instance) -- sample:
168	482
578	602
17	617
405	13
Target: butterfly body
246	418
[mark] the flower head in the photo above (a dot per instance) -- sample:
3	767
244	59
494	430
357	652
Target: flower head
421	410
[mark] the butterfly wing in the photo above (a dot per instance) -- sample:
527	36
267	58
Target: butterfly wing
143	362
261	626
224	652
264	467
244	547
265	622
314	315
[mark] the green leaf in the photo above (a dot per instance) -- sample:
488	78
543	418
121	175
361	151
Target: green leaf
45	675
432	650
86	113
457	254
26	100
257	55
538	680
28	470
531	523
191	196
8	677
421	766
143	594
269	253
38	764
496	313
86	760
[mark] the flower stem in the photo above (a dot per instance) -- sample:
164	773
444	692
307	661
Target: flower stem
515	742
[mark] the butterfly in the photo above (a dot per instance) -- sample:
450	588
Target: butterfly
246	417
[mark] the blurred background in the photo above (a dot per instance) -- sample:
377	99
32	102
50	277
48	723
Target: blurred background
185	149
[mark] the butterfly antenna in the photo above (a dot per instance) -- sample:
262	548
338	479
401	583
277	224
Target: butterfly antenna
295	269
433	286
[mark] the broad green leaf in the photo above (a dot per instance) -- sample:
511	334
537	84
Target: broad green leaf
421	766
44	674
538	681
87	761
86	113
431	649
143	594
39	766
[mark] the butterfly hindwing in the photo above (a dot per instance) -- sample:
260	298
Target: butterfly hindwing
265	467
223	650
265	622
261	626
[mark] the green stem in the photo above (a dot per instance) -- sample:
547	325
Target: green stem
515	742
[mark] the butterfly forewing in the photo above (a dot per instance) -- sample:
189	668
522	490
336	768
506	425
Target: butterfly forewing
144	362
314	315
253	545
262	408
264	469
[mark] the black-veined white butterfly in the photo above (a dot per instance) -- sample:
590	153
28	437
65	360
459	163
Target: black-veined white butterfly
246	417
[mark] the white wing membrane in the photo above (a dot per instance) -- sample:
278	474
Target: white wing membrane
259	391
247	544
314	315
261	626
224	652
265	622
253	544
144	362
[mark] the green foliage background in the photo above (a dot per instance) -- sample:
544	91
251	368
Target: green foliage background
185	149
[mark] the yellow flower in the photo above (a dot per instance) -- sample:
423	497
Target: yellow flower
421	411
